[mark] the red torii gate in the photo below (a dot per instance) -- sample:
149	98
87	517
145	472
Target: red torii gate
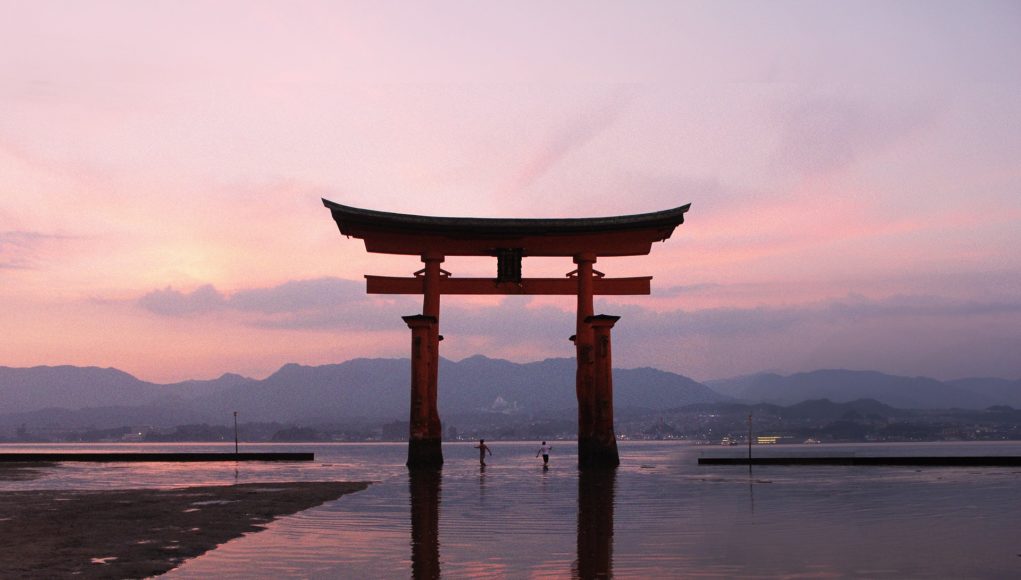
509	240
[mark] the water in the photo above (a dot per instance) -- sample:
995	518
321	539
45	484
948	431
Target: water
659	515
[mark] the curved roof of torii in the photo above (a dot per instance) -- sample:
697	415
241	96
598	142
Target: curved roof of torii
395	233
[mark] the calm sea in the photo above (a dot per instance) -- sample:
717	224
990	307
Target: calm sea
658	515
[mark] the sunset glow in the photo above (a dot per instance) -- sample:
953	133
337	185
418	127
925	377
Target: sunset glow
852	169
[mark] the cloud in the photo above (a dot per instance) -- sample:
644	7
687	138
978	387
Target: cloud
21	250
318	304
299	296
731	322
170	302
828	133
914	334
923	335
715	322
569	138
683	289
325	303
917	306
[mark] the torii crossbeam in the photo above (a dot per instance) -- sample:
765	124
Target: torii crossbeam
509	240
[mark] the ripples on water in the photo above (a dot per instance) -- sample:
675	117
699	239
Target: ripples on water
658	515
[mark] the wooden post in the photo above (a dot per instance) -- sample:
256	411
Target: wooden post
749	440
431	288
431	307
424	449
603	444
585	375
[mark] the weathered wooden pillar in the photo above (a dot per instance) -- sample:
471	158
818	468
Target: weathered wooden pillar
585	376
431	307
603	445
424	434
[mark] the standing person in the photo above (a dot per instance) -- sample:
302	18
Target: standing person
544	451
483	448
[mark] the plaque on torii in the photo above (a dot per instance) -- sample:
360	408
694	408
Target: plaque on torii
584	240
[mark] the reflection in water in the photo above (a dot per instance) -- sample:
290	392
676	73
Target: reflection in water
595	524
751	488
482	485
681	520
425	523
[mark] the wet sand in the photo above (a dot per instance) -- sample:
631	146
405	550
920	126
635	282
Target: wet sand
137	533
23	471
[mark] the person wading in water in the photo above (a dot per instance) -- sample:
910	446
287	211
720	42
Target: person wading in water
544	451
483	448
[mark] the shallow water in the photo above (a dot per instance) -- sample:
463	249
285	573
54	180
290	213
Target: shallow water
658	515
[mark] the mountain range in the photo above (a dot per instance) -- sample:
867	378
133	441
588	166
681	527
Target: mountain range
848	385
376	388
71	397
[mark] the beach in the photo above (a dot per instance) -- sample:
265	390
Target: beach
137	533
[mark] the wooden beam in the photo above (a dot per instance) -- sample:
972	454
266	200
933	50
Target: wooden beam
545	286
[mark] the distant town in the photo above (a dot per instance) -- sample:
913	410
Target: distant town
817	421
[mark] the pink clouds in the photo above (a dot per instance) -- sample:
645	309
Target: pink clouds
824	134
555	147
827	150
22	249
783	336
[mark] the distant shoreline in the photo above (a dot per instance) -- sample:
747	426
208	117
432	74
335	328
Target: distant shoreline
137	533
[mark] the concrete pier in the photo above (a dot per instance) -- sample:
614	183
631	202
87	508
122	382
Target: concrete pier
985	461
138	457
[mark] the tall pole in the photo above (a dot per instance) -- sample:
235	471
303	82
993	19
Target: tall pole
585	374
423	436
749	439
431	307
603	444
235	432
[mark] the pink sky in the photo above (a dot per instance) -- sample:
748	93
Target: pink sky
853	170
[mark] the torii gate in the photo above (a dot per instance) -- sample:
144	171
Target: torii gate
509	240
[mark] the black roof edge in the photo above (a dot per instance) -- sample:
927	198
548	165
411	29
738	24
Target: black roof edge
669	217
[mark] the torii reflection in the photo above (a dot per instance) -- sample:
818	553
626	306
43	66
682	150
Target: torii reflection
595	524
425	523
594	558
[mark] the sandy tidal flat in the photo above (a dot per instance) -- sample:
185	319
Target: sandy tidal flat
136	533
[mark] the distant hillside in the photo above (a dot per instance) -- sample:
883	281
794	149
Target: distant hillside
811	410
896	391
480	383
308	394
379	388
826	410
70	387
1004	392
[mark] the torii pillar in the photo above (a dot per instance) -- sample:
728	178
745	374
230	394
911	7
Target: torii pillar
509	240
425	431
597	443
